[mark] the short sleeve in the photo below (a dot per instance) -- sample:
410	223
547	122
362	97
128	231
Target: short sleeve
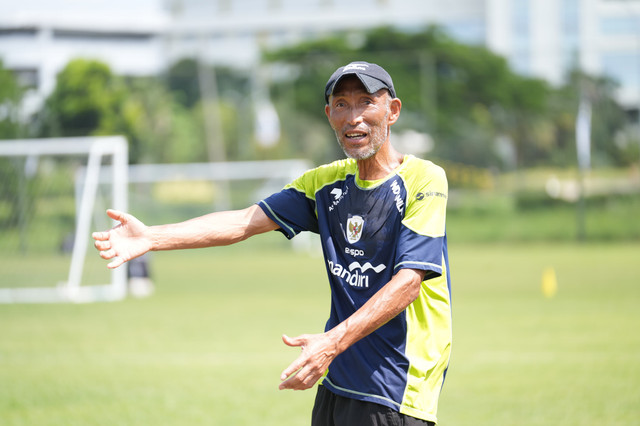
292	208
427	195
421	241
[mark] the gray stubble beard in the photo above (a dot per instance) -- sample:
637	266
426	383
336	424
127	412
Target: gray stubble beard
377	136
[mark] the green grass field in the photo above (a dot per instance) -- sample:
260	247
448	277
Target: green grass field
206	348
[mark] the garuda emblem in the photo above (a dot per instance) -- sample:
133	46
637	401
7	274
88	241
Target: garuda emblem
354	228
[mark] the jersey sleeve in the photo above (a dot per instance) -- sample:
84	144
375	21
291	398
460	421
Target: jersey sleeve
293	208
422	234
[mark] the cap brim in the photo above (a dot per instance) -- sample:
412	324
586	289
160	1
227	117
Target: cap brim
370	83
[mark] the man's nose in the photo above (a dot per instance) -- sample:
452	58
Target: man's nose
355	116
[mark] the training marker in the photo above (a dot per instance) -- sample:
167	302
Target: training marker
549	283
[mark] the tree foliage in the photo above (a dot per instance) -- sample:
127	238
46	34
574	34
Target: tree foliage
90	100
10	98
466	97
87	99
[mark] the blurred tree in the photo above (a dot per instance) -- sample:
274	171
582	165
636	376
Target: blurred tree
10	128
609	119
476	109
233	96
89	100
10	99
182	79
298	93
466	97
165	130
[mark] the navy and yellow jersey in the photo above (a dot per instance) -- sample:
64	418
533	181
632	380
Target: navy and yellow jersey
369	230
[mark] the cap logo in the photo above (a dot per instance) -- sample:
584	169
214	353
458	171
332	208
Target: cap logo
359	67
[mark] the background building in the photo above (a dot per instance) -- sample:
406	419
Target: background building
547	38
543	38
39	37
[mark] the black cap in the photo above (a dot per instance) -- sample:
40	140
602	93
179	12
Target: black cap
372	76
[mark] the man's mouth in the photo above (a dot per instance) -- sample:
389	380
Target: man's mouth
354	136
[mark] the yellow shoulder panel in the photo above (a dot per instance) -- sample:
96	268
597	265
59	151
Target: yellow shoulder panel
427	193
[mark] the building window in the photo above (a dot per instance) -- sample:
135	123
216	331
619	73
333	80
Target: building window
624	67
26	77
473	32
521	30
570	27
620	25
100	36
18	33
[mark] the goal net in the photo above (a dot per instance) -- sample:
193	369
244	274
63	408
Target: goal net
52	196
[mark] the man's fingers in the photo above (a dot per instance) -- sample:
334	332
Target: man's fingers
103	240
293	381
293	341
116	215
102	244
116	262
287	384
291	369
285	380
287	340
300	380
100	236
108	254
298	363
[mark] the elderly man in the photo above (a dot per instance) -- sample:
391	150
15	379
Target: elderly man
380	214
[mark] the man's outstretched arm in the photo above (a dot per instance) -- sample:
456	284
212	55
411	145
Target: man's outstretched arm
132	238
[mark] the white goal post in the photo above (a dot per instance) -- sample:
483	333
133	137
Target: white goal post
95	149
96	175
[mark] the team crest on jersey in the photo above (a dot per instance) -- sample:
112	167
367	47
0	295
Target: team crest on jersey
354	229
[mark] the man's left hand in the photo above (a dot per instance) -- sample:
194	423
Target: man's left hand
318	350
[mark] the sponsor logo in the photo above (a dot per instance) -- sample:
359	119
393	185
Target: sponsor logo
354	274
354	229
358	67
367	266
354	252
422	195
395	188
338	195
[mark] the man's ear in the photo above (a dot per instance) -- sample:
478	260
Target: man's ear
327	110
394	110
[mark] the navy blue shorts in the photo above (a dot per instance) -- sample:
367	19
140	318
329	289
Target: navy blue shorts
335	410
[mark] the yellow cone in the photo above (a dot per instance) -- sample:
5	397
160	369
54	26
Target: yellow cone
549	283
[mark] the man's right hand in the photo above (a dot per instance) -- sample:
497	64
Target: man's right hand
125	241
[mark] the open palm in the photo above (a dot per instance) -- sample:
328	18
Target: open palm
125	241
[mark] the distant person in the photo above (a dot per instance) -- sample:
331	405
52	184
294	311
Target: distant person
381	218
140	283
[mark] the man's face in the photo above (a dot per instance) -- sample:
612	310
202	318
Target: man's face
360	119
